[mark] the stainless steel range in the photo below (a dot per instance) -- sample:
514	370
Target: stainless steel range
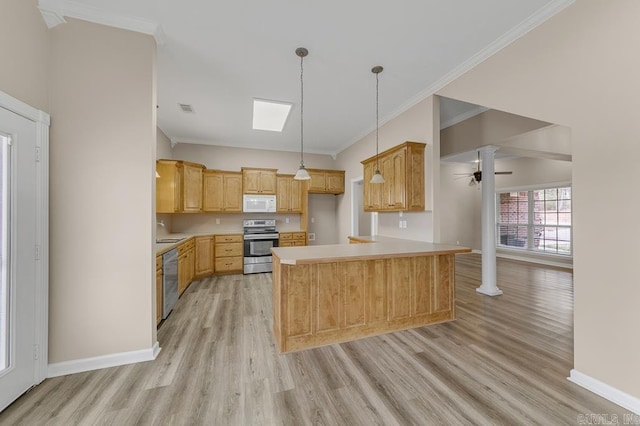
259	236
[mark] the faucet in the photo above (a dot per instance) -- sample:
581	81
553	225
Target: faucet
161	223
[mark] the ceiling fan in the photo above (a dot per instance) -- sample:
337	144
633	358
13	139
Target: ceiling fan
476	176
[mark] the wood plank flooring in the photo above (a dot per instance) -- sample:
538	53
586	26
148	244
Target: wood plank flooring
503	361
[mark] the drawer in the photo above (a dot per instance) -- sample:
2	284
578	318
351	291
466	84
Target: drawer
285	236
299	235
285	243
299	243
228	250
229	264
231	238
186	246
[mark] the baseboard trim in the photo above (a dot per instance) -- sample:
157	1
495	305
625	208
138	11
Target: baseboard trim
614	395
105	361
537	260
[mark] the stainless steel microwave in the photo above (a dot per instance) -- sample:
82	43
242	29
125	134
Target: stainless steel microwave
258	203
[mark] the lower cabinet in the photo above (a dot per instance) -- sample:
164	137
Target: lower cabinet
228	253
292	239
158	289
204	256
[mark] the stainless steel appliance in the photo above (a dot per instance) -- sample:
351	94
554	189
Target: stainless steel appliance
258	203
169	281
259	236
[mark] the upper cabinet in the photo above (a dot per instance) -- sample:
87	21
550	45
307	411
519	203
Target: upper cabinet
222	191
326	181
403	170
179	187
258	181
289	194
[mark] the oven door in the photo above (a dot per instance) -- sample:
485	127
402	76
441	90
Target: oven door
257	252
259	247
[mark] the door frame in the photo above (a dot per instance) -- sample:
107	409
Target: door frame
41	251
354	210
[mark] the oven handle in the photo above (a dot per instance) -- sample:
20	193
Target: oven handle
261	237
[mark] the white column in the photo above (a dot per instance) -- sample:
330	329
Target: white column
488	286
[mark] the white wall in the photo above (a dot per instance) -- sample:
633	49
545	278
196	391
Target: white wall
578	69
102	191
322	219
25	47
232	159
163	146
460	206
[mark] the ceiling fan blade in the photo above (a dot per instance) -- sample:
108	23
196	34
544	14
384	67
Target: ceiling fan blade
504	173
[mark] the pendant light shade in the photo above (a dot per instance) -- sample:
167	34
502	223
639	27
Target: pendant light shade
377	176
302	173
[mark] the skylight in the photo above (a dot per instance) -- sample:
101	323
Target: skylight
270	115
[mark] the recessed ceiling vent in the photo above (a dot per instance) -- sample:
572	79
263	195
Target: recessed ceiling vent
186	108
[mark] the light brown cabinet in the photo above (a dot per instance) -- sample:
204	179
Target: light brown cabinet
228	253
326	181
179	187
158	289
221	191
289	194
292	239
186	264
403	170
204	256
258	181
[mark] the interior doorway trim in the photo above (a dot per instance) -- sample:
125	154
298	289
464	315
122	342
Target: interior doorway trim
41	251
354	205
355	225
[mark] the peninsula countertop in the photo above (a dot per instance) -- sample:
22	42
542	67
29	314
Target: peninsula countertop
380	248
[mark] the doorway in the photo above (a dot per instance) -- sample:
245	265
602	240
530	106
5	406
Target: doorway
23	247
362	223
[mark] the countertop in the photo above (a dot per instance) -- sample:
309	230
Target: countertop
381	248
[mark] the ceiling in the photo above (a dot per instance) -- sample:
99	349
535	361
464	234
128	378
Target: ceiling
217	56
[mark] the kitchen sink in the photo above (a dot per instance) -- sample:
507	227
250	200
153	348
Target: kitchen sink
168	240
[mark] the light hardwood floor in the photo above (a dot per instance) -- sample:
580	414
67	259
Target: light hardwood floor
503	361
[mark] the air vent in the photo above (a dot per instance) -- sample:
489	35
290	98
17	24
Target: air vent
186	108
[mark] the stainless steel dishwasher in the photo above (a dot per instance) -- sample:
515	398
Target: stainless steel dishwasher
169	281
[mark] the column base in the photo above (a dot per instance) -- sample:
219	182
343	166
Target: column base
489	292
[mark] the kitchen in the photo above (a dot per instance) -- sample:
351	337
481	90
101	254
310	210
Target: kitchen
311	219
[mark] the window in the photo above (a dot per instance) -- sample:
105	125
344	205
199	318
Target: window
536	220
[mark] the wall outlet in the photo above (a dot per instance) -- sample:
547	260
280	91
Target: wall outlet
312	236
313	220
399	214
217	221
286	220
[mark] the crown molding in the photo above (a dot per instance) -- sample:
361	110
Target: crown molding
54	12
501	42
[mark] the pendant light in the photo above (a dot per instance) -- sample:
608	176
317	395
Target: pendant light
377	176
302	173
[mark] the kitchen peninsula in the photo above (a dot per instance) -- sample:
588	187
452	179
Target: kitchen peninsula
336	293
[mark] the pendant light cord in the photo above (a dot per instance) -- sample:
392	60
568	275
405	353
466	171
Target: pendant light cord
301	112
377	124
